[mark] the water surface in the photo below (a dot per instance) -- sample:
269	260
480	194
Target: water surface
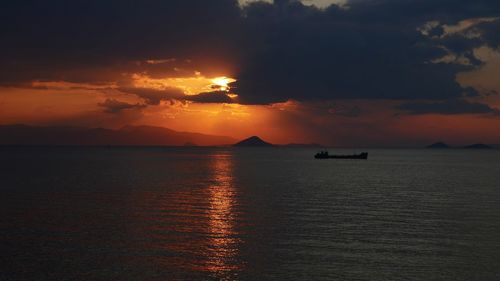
248	214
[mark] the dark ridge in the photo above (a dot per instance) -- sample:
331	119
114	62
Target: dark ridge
438	145
253	142
190	144
478	146
126	136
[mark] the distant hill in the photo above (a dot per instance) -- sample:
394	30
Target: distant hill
253	142
478	146
438	145
472	146
129	135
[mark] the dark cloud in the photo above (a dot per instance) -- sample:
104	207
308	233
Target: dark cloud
354	111
492	33
116	106
86	29
448	107
48	40
280	51
211	97
154	96
372	50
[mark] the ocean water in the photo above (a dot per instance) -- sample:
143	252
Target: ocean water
247	214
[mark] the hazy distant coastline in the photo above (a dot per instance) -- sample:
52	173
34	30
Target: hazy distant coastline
26	135
442	145
128	135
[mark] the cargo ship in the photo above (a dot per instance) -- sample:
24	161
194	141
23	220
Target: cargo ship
326	155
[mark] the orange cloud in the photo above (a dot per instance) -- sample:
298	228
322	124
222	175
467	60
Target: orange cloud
189	85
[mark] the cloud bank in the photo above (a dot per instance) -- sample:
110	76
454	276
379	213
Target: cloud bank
374	49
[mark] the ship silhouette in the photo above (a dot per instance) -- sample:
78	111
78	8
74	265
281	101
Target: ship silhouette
326	155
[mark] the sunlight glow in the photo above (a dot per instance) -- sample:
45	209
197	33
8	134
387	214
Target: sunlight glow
189	85
222	83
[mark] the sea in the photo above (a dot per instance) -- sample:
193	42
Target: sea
193	213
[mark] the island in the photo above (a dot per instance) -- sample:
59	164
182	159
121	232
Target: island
438	145
253	141
478	146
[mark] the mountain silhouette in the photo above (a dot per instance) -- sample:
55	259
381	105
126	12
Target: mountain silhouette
478	146
254	142
128	135
438	145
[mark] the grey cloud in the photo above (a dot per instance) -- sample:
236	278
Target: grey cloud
116	106
154	96
456	106
280	51
211	97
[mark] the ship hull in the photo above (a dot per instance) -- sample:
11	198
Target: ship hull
362	156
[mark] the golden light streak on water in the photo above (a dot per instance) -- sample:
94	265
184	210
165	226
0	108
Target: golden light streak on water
223	241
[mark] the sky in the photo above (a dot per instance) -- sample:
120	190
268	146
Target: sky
335	72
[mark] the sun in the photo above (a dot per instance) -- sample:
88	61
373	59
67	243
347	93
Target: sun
222	83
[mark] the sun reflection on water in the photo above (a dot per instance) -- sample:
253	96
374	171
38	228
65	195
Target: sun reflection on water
223	238
193	228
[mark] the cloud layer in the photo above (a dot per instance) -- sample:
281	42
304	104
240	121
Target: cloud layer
375	49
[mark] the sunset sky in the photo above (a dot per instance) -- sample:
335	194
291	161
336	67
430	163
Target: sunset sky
336	72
